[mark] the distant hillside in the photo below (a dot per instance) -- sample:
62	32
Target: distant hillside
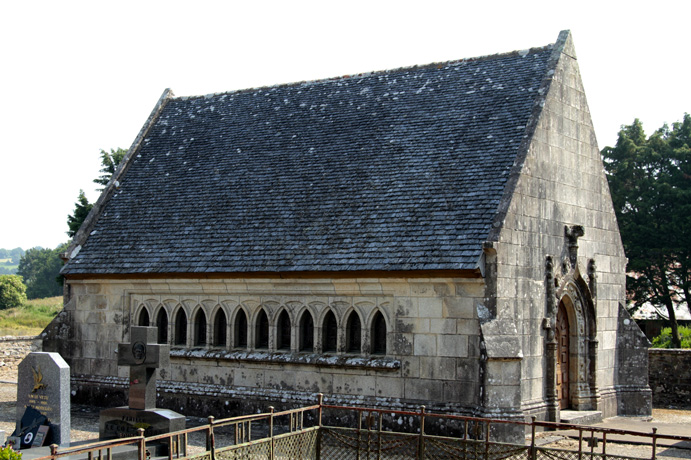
9	260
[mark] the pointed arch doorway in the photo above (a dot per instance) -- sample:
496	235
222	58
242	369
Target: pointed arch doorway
562	336
572	349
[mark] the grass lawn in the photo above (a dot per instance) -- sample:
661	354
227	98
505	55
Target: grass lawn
31	318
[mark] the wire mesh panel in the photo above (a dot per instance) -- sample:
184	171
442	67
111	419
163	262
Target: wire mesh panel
442	448
253	449
204	456
599	456
299	445
437	448
558	454
395	445
350	444
500	451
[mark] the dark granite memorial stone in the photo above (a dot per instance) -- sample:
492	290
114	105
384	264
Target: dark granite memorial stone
123	422
144	356
43	389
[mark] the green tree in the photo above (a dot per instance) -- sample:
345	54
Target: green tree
650	181
12	291
16	255
40	269
81	210
109	164
664	340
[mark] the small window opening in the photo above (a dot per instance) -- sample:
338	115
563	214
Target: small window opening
353	334
220	328
262	331
143	318
329	333
162	325
240	331
181	327
283	332
378	336
200	328
306	332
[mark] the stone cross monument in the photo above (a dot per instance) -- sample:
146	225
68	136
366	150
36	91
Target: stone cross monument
143	356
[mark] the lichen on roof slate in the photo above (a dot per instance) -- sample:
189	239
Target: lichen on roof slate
393	170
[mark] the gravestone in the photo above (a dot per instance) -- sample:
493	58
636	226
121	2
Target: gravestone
143	356
43	389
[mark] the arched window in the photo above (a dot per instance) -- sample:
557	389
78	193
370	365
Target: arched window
162	325
329	332
378	335
353	333
283	331
181	327
143	317
240	330
306	332
262	331
200	328
220	328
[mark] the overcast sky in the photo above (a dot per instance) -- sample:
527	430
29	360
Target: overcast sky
78	77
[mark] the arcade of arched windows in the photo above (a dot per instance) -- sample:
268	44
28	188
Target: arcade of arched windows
359	329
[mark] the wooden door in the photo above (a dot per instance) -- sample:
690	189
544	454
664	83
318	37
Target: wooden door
562	335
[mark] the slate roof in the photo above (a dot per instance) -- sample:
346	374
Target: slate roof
393	170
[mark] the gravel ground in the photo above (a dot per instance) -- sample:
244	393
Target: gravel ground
85	425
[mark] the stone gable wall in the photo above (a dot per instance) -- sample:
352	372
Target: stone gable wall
432	358
561	184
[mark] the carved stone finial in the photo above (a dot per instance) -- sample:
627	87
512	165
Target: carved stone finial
592	277
549	267
572	234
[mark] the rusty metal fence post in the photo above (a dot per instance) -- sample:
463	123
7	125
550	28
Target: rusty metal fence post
487	440
379	436
271	432
319	423
210	438
533	447
421	439
141	444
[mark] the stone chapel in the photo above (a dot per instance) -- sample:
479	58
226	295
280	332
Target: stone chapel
440	234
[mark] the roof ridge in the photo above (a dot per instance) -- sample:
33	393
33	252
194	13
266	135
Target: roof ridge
439	64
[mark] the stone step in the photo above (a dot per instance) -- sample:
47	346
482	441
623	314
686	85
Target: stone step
580	417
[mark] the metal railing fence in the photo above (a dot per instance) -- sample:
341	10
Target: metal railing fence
367	433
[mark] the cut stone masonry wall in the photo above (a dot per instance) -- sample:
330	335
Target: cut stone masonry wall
432	351
670	377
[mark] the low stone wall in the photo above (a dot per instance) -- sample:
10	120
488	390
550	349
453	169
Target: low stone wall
670	377
12	352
